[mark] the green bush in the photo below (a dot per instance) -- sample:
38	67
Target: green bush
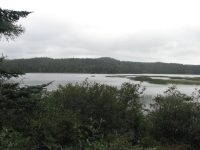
175	119
11	139
86	113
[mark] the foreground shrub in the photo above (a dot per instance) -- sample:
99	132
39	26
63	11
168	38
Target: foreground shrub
11	139
175	119
85	113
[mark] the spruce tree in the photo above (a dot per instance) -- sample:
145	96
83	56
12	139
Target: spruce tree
8	27
16	102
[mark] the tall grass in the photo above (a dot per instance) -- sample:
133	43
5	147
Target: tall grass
171	80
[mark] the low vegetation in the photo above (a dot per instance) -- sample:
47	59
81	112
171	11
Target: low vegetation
95	116
162	79
171	80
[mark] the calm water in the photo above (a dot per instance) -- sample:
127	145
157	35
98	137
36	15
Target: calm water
62	78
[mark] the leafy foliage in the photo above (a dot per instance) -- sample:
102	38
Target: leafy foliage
98	110
11	139
175	119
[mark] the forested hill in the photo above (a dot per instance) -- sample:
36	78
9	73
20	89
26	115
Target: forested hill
99	65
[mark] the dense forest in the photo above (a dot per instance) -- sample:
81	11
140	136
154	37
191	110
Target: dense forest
98	65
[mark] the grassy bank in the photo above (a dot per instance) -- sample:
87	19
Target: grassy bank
171	80
163	79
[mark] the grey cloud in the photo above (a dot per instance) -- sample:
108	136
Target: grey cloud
49	39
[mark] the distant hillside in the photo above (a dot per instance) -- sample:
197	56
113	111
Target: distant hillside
98	65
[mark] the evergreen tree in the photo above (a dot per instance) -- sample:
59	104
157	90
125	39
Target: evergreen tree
8	27
17	103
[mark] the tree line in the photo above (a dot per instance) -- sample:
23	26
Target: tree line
98	65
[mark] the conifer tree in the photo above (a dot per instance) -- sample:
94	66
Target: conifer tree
8	27
16	102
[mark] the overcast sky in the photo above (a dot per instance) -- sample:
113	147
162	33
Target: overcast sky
131	30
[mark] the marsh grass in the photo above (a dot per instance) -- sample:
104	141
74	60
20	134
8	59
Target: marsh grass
118	76
171	80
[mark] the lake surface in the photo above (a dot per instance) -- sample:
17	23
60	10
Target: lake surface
63	78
